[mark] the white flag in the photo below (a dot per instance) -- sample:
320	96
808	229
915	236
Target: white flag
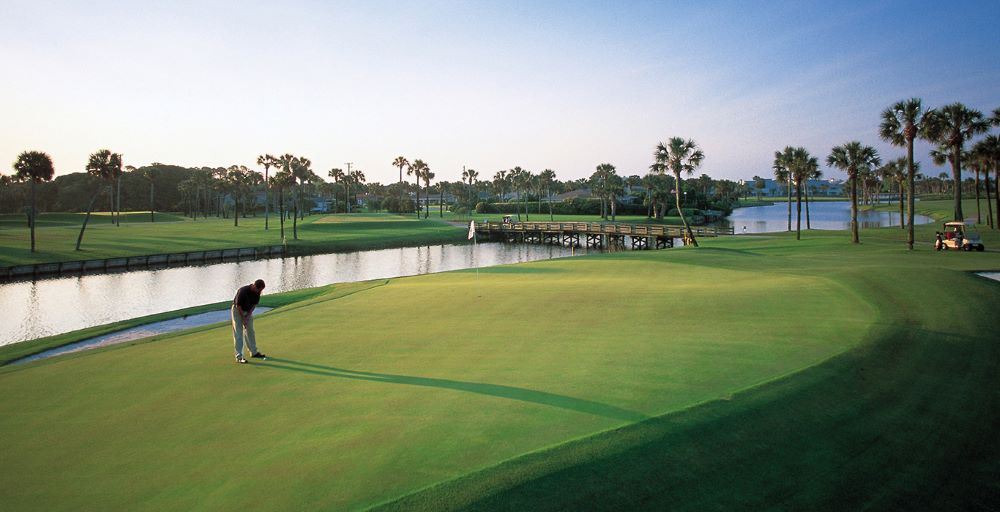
472	230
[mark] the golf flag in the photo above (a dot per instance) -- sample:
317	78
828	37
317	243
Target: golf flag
472	230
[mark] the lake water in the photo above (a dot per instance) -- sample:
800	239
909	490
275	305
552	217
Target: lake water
823	215
34	309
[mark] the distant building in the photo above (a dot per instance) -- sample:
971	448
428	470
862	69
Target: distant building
819	188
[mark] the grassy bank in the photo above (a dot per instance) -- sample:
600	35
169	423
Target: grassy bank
56	235
754	372
15	351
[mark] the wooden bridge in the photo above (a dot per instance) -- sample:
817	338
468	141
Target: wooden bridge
593	234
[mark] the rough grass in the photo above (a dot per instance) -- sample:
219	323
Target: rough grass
57	232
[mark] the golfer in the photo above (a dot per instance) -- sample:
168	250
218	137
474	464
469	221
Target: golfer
244	303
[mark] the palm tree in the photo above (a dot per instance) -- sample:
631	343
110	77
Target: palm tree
357	178
615	189
282	180
814	173
546	178
417	169
118	194
101	165
149	174
853	158
36	167
520	179
471	175
5	182
338	174
976	164
951	126
679	156
267	160
988	150
782	174
301	173
599	183
801	166
401	162
499	180
901	124
427	176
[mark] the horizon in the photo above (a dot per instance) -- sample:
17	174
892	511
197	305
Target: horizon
556	86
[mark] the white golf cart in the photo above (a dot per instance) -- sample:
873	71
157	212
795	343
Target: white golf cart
958	237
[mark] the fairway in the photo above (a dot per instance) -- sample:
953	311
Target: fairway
720	377
57	234
352	410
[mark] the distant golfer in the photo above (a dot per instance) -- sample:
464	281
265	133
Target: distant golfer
244	303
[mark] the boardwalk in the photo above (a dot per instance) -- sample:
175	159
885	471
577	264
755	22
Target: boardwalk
594	234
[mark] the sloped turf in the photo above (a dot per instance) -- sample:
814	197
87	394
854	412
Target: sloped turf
377	393
906	421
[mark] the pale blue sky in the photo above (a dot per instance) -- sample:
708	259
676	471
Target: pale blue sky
560	85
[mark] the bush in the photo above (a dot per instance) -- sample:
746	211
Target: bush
392	204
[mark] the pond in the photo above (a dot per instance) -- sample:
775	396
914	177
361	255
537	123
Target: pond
34	309
823	215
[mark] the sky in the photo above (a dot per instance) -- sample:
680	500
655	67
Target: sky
488	85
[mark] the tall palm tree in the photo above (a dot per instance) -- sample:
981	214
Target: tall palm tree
101	165
338	175
546	178
988	150
951	126
520	178
976	164
615	189
427	176
36	167
783	175
417	169
599	182
473	175
267	160
499	182
301	172
401	162
356	178
813	173
148	174
901	124
680	156
282	180
118	194
801	166
854	158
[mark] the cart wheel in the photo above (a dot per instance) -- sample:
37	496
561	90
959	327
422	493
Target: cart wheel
980	248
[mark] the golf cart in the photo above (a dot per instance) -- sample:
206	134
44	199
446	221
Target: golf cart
957	236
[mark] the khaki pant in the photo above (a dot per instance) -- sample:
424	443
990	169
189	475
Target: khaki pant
241	329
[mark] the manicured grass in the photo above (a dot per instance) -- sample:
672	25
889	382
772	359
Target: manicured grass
56	235
753	372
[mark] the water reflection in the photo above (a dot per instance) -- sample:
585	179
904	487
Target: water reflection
833	215
33	309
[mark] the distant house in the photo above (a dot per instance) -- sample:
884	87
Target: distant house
772	188
582	193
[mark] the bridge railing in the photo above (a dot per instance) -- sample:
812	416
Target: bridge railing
601	228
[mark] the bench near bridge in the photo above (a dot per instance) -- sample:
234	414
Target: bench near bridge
593	234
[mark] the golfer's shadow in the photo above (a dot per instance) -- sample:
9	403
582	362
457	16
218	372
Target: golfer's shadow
497	390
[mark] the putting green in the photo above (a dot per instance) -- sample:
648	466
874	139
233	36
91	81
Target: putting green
375	393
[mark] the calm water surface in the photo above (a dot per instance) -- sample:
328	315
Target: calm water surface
33	309
823	215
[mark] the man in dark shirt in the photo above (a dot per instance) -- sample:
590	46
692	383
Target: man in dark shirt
244	303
